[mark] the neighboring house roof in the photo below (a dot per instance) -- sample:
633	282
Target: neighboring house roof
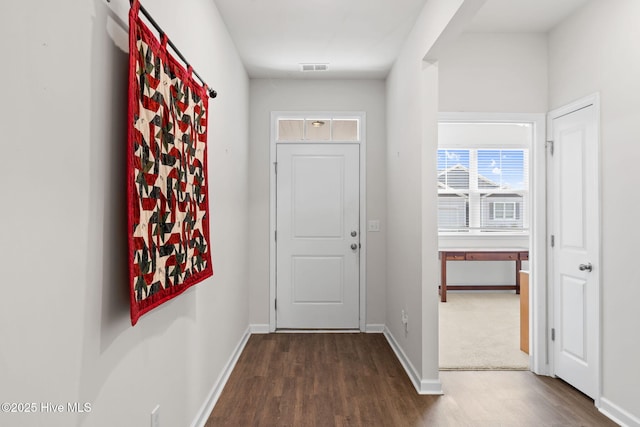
457	177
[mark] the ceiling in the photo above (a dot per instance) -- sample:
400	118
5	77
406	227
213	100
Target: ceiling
522	16
356	38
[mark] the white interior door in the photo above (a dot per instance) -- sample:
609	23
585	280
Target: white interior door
318	236
575	278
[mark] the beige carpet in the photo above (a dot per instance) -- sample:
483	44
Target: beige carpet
481	331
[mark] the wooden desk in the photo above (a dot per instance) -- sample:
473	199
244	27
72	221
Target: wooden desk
517	255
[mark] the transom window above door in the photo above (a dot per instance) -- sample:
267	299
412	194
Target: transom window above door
318	129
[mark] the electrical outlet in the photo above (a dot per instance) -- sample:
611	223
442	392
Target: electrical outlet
155	416
405	322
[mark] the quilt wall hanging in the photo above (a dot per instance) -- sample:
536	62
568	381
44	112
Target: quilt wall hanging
168	206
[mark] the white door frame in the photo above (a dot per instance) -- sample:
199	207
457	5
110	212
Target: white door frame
539	352
587	101
361	116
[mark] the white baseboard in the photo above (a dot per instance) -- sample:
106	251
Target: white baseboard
617	414
259	328
264	329
216	390
422	386
317	331
374	329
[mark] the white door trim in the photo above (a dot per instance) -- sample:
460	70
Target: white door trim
538	359
272	203
591	100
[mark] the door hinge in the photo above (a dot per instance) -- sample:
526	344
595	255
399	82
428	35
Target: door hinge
275	235
275	166
553	334
275	304
553	241
550	145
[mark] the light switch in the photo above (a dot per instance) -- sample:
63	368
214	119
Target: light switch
374	225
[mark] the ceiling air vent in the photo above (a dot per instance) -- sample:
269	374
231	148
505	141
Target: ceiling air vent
314	67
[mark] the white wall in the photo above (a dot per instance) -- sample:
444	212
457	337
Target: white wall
412	267
494	72
596	50
65	332
491	73
319	95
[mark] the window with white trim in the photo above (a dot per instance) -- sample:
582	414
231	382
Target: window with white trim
483	178
504	211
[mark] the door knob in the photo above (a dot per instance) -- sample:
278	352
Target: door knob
354	246
585	267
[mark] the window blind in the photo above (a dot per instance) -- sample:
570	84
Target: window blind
483	190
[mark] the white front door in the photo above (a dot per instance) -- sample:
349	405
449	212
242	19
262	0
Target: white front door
318	236
575	255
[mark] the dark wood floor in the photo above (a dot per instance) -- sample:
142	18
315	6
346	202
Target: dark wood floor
356	380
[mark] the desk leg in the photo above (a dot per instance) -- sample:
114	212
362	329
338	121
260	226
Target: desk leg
443	277
518	268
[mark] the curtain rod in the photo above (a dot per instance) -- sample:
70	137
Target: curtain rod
212	93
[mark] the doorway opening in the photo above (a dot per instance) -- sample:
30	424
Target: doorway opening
491	219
